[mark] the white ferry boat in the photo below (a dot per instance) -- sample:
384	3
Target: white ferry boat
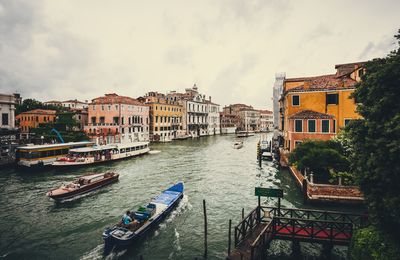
45	154
102	153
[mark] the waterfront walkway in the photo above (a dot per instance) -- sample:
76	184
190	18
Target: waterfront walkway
264	224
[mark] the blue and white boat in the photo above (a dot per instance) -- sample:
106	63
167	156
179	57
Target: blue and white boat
144	219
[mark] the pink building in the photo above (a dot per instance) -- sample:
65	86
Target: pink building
113	118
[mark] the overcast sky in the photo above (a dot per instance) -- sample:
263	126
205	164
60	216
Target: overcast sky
56	49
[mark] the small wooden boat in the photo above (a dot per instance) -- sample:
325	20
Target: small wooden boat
82	185
238	145
267	156
144	218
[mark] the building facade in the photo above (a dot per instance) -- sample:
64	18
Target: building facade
31	119
318	107
75	104
277	93
266	121
114	118
197	115
166	117
7	110
214	124
195	112
249	120
229	123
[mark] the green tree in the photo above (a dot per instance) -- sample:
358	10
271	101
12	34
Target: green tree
321	157
30	104
376	141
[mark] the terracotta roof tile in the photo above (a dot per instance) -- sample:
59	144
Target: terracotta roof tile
116	99
40	111
310	114
325	82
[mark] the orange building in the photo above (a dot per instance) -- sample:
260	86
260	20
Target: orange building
318	107
31	119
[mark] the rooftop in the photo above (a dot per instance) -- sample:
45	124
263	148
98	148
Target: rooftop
40	112
113	98
324	82
310	114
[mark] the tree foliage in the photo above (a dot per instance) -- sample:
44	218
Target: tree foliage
30	104
376	140
371	244
321	157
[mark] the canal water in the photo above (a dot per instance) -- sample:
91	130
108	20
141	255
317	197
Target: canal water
34	227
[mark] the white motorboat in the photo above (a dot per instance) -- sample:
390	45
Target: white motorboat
238	145
102	153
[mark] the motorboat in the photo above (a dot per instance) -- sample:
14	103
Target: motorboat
102	153
143	218
82	185
238	145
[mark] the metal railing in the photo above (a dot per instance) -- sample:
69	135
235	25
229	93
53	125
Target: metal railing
357	220
258	248
312	229
246	226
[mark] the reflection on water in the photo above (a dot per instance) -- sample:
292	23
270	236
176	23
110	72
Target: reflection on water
32	226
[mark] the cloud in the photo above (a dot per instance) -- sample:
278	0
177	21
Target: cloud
378	49
231	48
36	59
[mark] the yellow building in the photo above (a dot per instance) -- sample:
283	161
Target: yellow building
318	107
166	117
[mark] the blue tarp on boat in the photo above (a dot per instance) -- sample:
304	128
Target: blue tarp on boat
167	197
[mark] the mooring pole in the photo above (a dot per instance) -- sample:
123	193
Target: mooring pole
229	237
259	210
305	196
205	228
279	206
242	213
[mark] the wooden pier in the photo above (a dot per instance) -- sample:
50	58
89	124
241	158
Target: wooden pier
264	224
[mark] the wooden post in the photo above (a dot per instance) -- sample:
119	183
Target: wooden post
259	210
141	257
242	213
305	196
229	237
205	228
279	206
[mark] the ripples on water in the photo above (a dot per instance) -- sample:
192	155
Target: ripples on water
32	226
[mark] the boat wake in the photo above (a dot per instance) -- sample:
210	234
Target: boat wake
98	253
177	245
183	206
154	152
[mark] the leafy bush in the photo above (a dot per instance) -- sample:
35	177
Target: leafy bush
369	243
321	157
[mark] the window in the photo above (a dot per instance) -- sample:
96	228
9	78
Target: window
311	125
102	120
296	100
332	99
298	126
4	119
346	122
325	126
116	120
361	73
334	126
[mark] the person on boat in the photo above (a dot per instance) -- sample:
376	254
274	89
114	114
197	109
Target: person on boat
126	219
